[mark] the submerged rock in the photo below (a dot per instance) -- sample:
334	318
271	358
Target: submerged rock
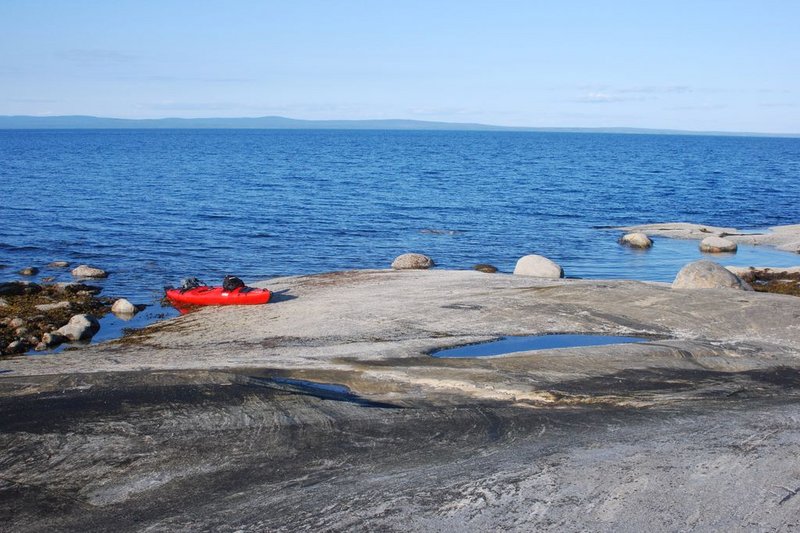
86	271
80	328
53	339
29	271
538	266
59	264
708	275
412	261
715	245
636	240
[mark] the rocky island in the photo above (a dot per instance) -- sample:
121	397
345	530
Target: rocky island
327	409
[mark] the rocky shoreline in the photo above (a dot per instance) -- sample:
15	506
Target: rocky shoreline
324	410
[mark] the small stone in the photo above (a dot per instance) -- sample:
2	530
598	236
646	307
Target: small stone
40	347
538	266
412	262
716	245
123	307
59	264
636	240
48	279
86	271
52	307
485	267
29	271
16	323
80	328
708	275
3	302
21	331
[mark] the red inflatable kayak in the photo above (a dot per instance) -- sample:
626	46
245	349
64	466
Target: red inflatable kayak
219	296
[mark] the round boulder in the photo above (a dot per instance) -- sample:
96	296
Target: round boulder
708	275
538	266
86	271
124	308
80	328
412	262
636	240
716	245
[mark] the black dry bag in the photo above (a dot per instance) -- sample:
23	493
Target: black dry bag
230	283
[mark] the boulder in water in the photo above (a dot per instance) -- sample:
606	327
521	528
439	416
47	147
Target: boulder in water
29	271
538	266
86	271
484	267
636	240
80	328
412	262
708	275
716	245
123	308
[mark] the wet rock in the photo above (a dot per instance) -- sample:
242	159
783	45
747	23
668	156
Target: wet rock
19	288
538	266
53	307
412	261
53	339
484	267
124	308
75	288
86	271
48	279
636	240
80	328
708	275
715	245
59	264
29	271
15	347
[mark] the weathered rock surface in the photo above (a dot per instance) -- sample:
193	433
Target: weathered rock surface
123	307
538	266
51	307
708	275
715	245
636	240
786	238
86	271
200	423
412	261
80	328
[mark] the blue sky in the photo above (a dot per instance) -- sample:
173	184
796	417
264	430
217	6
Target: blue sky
701	65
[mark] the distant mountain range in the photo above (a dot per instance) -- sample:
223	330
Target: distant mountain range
89	122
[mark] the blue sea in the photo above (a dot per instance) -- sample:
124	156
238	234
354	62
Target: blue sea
155	206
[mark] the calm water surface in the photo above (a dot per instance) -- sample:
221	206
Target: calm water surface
156	206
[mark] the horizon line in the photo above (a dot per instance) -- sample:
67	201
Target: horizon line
427	124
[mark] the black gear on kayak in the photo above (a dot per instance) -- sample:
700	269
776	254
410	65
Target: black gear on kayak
191	283
230	283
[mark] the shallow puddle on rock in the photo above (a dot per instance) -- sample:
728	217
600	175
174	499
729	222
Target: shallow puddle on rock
514	344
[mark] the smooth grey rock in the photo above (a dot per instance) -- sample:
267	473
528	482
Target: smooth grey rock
708	275
54	306
715	245
29	271
538	266
412	261
86	271
636	240
80	328
124	308
59	264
